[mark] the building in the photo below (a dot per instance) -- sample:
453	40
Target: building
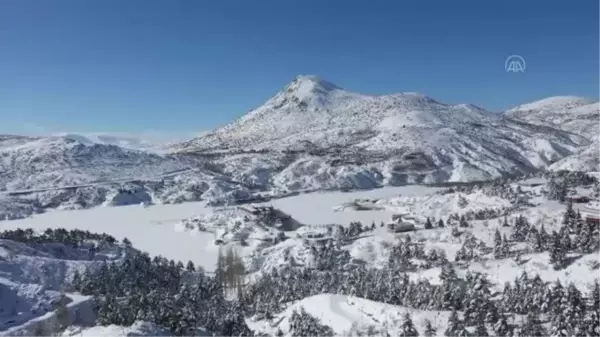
532	182
577	199
400	227
401	223
592	219
591	214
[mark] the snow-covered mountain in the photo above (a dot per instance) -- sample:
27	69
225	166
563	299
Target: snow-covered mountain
569	113
572	114
145	141
51	162
334	138
587	160
39	173
124	141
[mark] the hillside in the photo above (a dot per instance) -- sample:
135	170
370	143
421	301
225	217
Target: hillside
573	114
313	134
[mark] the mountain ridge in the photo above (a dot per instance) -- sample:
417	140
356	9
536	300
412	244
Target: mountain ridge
311	115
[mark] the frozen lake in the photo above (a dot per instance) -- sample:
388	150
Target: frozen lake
154	229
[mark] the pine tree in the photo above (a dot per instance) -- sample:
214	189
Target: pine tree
463	222
592	324
430	331
520	229
533	326
557	253
569	220
408	329
578	222
557	299
190	267
576	308
455	327
595	297
303	324
538	242
505	246
501	328
428	224
478	304
462	201
584	241
441	223
76	282
481	330
559	327
497	245
565	239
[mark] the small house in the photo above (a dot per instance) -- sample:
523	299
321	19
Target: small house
401	227
577	199
401	223
532	182
592	219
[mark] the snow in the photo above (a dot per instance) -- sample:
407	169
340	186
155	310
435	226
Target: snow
578	273
586	160
574	114
152	141
554	102
345	313
80	312
151	229
31	163
138	328
443	205
317	208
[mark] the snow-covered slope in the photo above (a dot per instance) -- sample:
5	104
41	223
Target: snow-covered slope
569	113
139	328
587	160
347	314
333	138
33	275
573	114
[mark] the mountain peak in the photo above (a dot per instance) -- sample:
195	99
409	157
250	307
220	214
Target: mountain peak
306	85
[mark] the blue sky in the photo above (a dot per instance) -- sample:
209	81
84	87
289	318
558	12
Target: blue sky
181	66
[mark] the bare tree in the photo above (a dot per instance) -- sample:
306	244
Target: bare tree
231	270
